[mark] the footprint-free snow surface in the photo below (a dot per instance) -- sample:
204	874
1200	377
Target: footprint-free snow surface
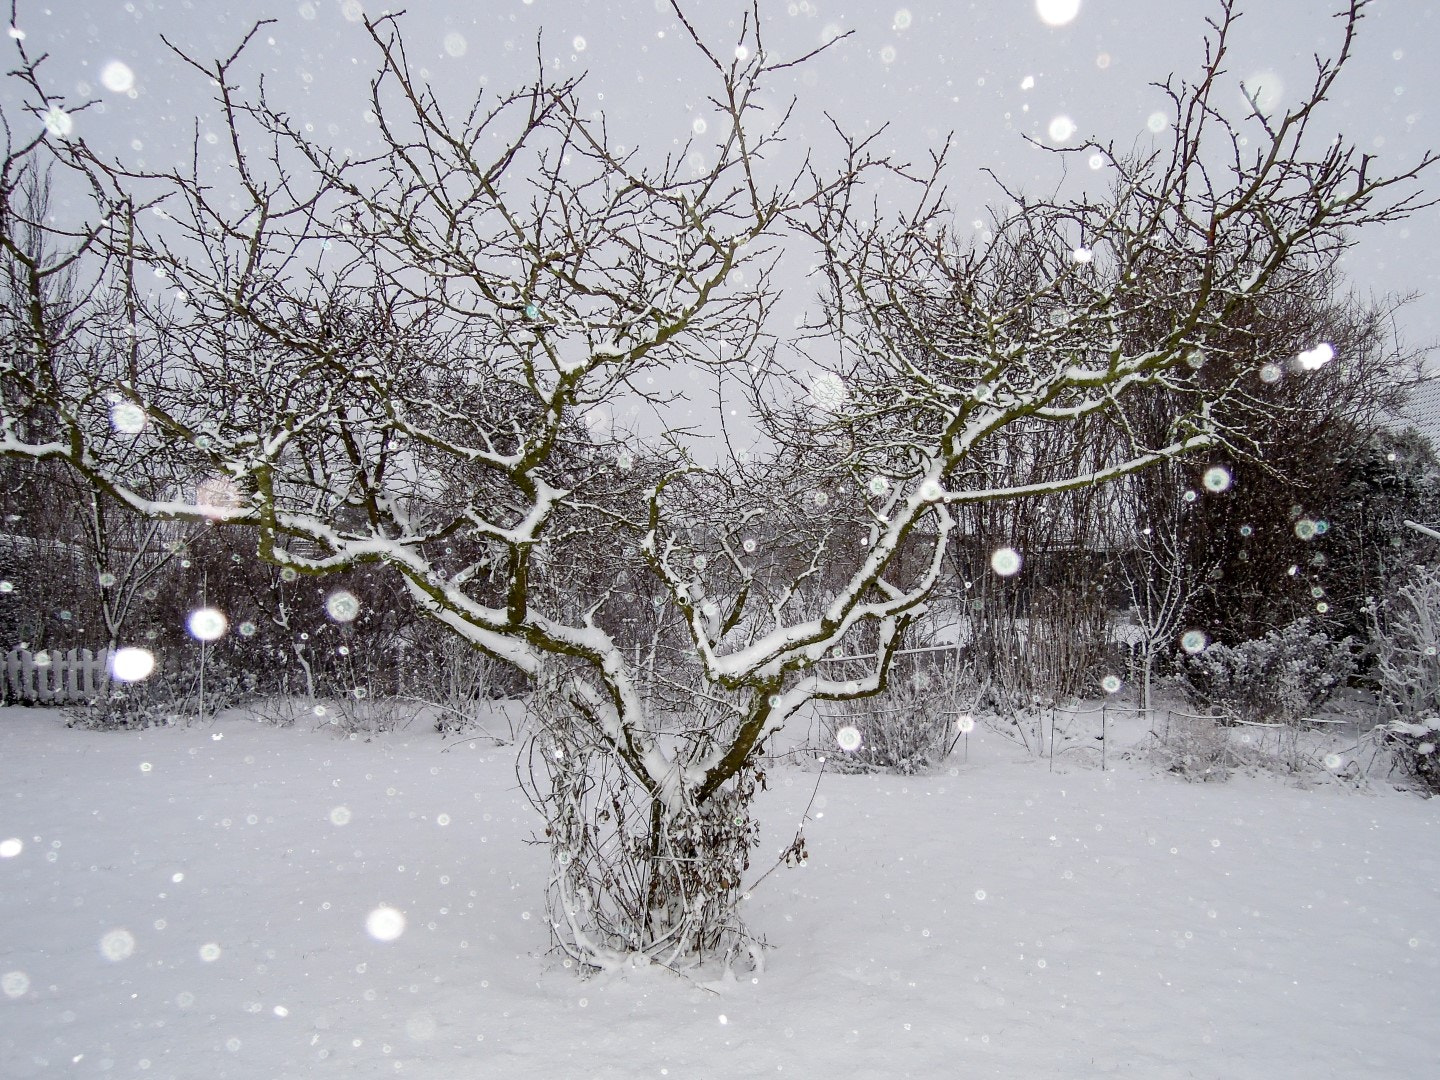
240	900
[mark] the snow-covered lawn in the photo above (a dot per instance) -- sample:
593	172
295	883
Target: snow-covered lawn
193	903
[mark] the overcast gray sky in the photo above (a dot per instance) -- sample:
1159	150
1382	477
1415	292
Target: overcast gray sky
987	71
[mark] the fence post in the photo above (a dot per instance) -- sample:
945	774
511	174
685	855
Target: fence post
95	672
43	684
84	676
70	675
25	671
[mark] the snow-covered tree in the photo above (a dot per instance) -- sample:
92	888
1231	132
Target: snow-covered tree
1161	580
416	359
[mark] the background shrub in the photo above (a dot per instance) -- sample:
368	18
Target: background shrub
911	727
1405	636
1280	678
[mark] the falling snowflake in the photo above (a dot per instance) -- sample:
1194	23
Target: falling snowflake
117	945
342	606
207	624
1217	478
1316	358
1005	561
59	123
117	77
385	924
1263	91
1057	12
828	391
130	664
127	418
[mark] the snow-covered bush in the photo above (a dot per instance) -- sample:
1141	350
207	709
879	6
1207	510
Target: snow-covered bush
908	729
459	683
1405	634
1415	743
1280	678
898	735
1195	747
173	694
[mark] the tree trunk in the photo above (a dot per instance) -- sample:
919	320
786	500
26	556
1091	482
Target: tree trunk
634	878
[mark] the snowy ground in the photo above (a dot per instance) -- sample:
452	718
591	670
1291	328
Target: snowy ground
194	903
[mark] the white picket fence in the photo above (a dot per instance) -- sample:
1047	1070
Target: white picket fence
55	677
